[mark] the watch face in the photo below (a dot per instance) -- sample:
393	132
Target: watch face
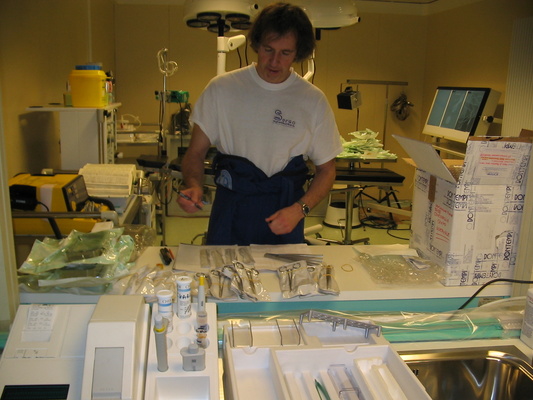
305	209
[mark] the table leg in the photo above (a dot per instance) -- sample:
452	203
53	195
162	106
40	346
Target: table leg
349	215
350	196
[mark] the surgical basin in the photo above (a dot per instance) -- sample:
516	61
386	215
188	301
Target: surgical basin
473	373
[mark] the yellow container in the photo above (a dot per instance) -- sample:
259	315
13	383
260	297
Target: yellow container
88	88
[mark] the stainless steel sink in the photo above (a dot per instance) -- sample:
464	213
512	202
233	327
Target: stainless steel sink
500	373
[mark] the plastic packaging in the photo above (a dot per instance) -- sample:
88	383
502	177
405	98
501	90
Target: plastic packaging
526	334
401	269
88	260
498	320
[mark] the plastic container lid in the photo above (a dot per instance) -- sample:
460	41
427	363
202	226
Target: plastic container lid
91	67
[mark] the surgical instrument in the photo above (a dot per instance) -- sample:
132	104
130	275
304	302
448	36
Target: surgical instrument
310	259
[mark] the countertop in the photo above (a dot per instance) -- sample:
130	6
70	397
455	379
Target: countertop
357	289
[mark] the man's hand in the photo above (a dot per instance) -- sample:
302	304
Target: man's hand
190	200
285	220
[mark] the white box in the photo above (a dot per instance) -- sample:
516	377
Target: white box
467	215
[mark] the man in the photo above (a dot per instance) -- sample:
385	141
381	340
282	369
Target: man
264	120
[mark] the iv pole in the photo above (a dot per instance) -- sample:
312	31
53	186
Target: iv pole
167	68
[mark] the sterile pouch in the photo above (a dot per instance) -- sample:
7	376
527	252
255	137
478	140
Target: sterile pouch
218	257
148	281
222	283
401	269
327	284
251	284
296	279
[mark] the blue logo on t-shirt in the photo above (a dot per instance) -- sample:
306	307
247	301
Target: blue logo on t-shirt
278	119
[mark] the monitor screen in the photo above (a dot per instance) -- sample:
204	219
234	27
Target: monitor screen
456	112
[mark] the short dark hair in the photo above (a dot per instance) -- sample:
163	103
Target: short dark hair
281	19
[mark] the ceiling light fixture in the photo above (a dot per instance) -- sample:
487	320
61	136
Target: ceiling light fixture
219	16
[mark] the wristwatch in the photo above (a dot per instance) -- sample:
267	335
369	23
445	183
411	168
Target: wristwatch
305	208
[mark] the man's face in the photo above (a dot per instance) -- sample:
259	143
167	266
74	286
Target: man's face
275	57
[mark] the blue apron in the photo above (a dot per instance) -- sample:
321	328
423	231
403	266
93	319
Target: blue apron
245	196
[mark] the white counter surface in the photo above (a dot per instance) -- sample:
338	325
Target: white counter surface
354	282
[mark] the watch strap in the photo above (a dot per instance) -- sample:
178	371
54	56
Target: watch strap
305	208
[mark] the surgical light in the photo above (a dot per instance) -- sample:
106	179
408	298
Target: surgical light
219	16
330	14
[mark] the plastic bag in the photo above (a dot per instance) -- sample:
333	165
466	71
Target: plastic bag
143	237
79	260
401	269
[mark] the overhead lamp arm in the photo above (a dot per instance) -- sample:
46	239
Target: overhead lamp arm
224	46
310	68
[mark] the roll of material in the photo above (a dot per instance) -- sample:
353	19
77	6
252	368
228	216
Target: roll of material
313	229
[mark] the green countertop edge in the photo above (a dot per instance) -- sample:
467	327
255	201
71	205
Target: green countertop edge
410	305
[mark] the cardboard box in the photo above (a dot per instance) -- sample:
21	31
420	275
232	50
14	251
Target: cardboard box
467	214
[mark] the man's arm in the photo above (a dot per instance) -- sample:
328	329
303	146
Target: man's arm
286	219
192	168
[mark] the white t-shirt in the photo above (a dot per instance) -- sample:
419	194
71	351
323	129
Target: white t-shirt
267	123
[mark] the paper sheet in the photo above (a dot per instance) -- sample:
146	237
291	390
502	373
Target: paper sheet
386	249
108	179
188	257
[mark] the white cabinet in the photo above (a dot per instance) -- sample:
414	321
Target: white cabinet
87	135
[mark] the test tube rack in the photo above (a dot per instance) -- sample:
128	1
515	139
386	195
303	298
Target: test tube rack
176	383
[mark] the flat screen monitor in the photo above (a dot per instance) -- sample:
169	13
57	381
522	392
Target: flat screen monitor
457	112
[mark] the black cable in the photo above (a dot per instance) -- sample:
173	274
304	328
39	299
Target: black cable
246	51
378	222
490	283
397	237
240	58
52	222
44	205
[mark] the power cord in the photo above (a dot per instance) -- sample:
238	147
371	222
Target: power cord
490	283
